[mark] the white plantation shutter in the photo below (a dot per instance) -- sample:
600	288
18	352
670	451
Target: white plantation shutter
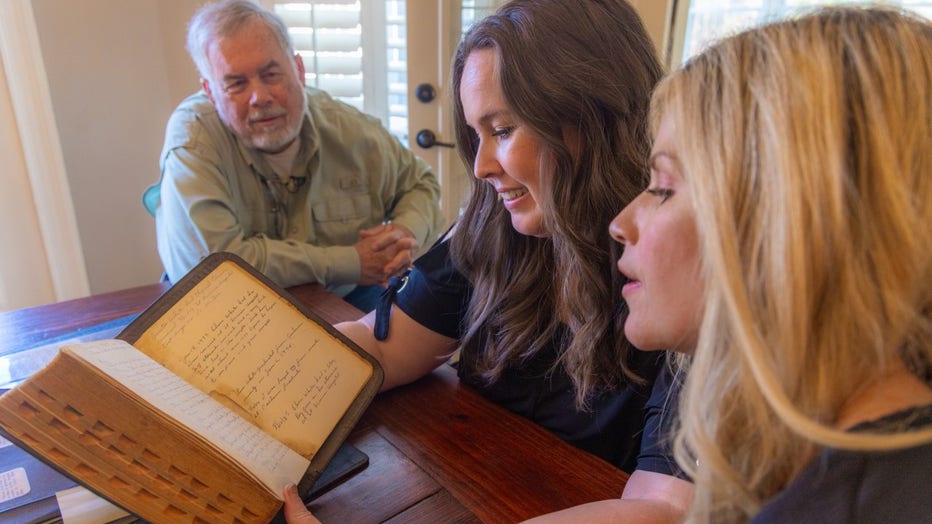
474	10
703	21
354	50
396	67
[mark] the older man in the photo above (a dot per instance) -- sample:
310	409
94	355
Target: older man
305	188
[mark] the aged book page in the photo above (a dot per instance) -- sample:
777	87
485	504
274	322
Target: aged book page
252	350
267	459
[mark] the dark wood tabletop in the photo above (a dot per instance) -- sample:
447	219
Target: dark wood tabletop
438	451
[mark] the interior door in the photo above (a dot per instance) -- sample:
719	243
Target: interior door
434	28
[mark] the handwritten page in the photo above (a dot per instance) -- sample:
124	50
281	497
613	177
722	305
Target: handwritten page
246	346
271	461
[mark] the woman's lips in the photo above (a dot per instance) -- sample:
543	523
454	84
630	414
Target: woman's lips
512	198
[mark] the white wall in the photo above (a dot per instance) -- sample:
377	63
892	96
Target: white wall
116	69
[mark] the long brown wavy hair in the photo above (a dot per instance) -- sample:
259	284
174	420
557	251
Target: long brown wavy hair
589	66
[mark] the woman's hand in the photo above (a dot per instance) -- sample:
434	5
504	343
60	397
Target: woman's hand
295	510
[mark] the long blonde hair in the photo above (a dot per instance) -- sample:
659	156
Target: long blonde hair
807	146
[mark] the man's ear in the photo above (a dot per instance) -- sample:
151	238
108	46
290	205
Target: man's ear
205	84
299	65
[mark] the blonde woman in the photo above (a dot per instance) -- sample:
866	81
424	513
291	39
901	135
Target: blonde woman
784	245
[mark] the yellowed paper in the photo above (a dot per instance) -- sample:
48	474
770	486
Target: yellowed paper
252	350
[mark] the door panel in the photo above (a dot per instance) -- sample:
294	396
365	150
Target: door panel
433	31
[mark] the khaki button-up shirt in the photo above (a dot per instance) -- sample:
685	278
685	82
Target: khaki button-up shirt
216	194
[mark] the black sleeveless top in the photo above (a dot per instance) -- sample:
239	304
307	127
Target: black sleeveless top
862	486
437	296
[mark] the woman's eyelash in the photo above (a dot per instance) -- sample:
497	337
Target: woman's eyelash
663	193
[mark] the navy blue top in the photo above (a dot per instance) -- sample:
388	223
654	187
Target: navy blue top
860	486
436	296
659	414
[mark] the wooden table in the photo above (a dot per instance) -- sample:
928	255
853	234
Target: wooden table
438	451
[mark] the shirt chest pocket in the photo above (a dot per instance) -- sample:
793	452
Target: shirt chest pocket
342	216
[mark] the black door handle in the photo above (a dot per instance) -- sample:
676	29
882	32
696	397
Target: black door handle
427	139
425	93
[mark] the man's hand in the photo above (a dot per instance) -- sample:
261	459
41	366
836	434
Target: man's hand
385	251
295	510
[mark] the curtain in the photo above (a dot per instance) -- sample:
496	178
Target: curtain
41	259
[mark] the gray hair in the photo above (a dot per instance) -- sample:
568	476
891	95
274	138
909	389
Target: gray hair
226	18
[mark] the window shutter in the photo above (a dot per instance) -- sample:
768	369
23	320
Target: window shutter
356	52
395	56
328	36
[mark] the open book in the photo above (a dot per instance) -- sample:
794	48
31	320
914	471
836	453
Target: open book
219	394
